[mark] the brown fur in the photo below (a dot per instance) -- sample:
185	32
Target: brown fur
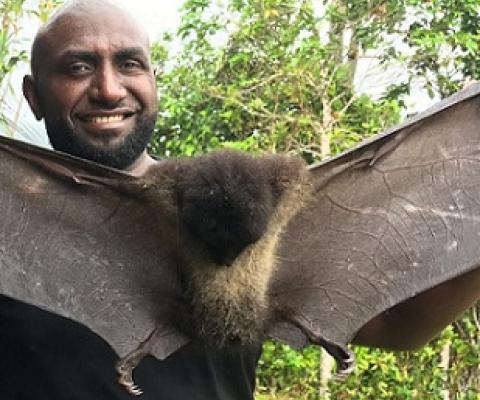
230	302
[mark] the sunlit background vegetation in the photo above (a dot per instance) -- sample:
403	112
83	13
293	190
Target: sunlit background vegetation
283	76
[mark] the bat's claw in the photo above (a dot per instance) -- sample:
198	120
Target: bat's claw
127	364
345	363
125	379
344	357
135	390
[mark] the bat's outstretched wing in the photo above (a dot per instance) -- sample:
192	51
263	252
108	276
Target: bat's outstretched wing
75	244
390	220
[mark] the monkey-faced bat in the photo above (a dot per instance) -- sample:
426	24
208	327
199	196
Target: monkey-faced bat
229	247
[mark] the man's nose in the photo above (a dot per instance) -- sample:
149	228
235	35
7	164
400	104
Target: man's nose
107	86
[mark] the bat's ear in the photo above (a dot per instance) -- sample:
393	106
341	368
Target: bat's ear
30	92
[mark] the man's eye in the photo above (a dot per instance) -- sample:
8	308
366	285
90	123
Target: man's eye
131	65
79	68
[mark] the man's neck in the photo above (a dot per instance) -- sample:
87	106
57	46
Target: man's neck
141	165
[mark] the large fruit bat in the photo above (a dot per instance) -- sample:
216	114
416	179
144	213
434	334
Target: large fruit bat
382	247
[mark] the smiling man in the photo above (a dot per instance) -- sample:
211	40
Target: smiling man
93	84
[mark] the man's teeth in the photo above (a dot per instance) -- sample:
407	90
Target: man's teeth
111	118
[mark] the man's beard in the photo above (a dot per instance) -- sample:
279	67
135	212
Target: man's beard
119	156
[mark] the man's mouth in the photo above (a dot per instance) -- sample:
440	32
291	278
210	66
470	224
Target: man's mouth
113	122
105	119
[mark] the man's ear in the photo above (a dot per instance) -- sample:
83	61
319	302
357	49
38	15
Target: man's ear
30	92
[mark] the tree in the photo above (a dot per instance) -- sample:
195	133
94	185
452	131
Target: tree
273	85
442	44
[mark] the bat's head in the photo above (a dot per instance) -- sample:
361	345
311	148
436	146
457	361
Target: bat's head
226	204
228	200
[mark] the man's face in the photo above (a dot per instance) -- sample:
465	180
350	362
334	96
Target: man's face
95	88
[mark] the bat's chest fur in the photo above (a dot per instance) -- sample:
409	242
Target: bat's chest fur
231	303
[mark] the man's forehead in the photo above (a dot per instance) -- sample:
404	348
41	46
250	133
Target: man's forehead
83	20
71	30
87	25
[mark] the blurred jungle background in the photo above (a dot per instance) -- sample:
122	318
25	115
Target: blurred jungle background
311	78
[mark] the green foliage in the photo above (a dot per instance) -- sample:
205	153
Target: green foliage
386	375
11	11
11	53
464	367
380	374
443	40
418	375
282	370
273	85
10	56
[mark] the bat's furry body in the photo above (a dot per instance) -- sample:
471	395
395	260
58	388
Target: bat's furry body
230	212
230	302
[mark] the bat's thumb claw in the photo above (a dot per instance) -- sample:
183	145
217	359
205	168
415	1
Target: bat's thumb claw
135	390
129	385
125	379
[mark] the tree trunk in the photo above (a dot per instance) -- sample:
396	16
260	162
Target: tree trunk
326	367
444	365
327	120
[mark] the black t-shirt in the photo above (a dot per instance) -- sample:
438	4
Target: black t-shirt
44	356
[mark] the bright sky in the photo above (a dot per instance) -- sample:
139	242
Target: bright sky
156	16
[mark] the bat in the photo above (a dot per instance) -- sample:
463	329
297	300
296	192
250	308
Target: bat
360	248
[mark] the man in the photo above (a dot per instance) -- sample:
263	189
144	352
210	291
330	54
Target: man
93	84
